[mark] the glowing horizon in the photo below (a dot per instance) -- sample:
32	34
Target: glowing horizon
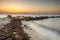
26	6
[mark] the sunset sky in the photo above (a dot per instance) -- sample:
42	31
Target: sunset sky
44	6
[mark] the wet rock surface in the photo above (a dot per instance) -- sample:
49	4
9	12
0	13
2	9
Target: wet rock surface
13	31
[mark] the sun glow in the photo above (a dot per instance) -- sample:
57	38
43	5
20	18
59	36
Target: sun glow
28	6
23	8
14	8
11	8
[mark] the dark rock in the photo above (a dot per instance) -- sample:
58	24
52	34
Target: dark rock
13	31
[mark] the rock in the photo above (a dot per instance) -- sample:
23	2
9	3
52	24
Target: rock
13	31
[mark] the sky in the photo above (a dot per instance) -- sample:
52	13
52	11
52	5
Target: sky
39	6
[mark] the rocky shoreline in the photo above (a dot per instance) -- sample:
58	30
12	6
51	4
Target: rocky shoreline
13	31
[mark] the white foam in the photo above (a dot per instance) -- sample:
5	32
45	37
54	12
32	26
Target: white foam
45	33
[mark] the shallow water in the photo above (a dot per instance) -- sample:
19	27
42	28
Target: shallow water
48	29
44	33
53	23
33	15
